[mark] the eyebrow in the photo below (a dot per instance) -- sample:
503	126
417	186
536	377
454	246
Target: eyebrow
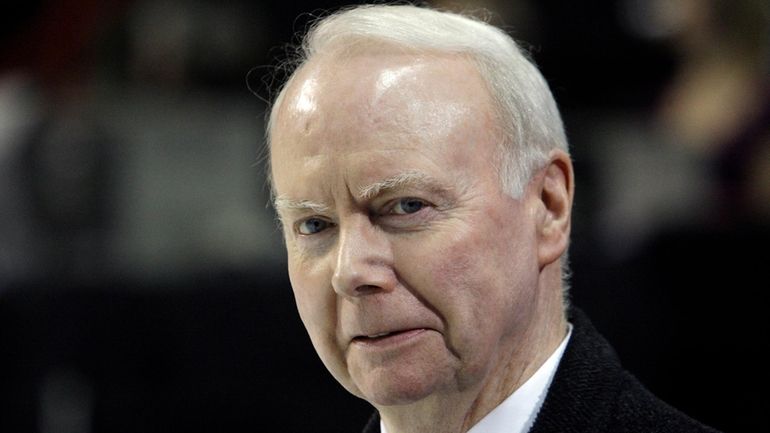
414	179
409	179
283	204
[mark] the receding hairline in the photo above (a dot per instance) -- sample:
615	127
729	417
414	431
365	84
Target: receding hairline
317	45
522	101
362	45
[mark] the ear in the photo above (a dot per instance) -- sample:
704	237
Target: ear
556	191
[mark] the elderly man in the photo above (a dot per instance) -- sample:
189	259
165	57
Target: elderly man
421	174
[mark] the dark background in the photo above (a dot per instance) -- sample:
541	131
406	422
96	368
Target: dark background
142	275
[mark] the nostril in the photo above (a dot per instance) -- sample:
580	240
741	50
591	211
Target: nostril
366	289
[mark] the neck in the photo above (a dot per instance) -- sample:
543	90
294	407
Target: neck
457	410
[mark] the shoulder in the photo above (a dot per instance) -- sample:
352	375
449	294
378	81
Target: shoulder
636	409
591	392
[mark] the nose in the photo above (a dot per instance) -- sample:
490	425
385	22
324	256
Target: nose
364	259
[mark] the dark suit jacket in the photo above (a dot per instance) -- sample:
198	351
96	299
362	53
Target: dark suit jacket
591	392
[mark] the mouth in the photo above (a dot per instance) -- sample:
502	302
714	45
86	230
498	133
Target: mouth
390	337
376	336
382	334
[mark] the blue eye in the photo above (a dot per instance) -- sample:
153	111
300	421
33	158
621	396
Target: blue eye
408	206
312	226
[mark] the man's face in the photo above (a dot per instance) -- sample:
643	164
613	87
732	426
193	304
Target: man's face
413	272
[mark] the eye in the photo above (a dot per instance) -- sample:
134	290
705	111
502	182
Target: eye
312	226
408	205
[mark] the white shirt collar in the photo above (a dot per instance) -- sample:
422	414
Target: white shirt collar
517	413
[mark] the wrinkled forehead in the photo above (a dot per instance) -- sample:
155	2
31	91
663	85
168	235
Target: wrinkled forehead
431	107
378	89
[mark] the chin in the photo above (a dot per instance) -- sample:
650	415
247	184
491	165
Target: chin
398	388
395	396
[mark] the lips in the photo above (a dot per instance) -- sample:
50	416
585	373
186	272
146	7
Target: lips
376	336
383	326
388	337
381	334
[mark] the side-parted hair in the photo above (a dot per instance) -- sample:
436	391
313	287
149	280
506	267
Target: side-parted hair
528	116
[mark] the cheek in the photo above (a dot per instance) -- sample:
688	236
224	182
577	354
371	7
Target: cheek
458	278
479	282
317	307
313	296
472	296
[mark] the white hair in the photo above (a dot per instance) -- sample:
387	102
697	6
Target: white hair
526	109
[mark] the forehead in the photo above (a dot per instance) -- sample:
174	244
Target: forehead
381	103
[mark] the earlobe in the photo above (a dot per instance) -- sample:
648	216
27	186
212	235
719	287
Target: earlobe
556	193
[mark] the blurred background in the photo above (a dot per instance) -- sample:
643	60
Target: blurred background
142	275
